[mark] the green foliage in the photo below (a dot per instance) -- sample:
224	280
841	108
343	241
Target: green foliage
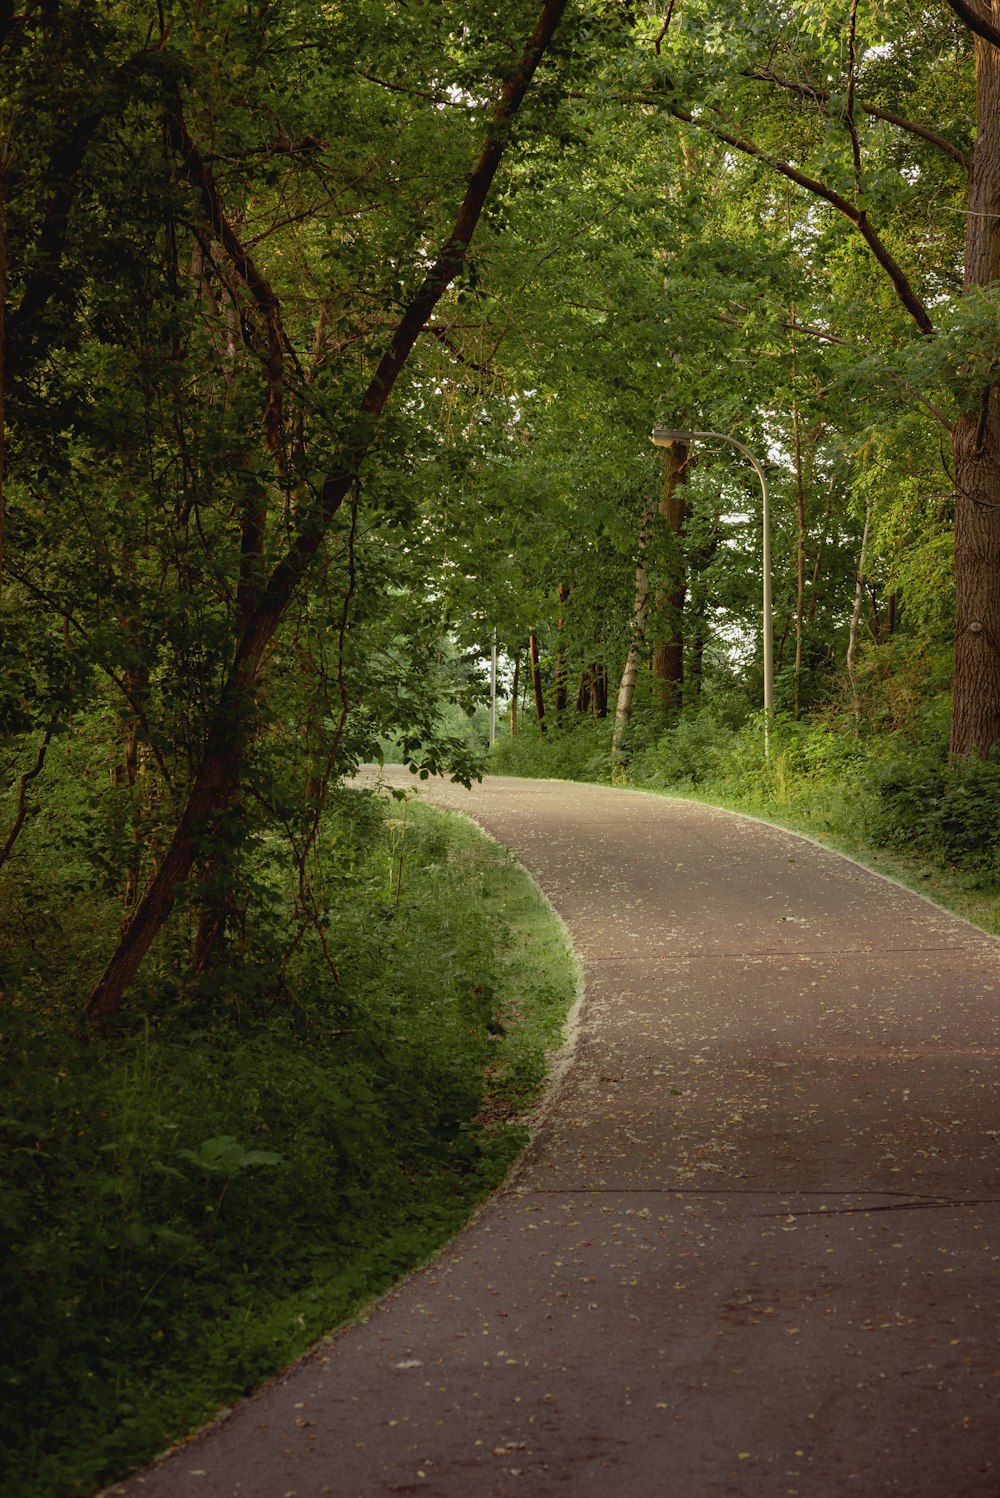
942	809
188	1205
212	221
631	265
579	749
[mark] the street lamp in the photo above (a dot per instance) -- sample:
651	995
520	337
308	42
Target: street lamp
493	691
664	437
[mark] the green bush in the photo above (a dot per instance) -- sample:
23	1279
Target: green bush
948	810
191	1200
688	753
579	748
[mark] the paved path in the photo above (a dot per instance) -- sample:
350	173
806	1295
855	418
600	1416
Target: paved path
755	1247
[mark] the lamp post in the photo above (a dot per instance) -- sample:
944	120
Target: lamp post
664	437
493	691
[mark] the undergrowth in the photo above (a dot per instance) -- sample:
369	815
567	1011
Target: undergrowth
576	749
193	1200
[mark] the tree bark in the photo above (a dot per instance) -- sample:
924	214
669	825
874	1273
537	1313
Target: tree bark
626	689
975	724
800	559
599	689
561	692
216	780
668	652
852	641
536	680
513	693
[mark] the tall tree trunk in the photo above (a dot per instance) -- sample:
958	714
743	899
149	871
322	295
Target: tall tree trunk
127	774
513	693
215	784
4	165
536	680
626	689
976	446
852	641
668	652
561	693
599	688
800	558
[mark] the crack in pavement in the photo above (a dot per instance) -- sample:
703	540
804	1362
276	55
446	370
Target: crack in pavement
908	1201
912	1206
696	954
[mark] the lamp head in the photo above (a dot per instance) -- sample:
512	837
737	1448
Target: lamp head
666	436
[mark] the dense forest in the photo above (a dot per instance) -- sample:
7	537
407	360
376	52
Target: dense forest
332	334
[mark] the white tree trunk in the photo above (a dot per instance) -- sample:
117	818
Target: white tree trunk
626	690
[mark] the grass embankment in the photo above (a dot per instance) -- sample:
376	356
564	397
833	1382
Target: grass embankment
193	1200
893	802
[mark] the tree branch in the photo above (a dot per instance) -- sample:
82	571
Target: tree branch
975	21
64	165
826	337
22	800
857	216
441	334
200	174
658	43
809	91
70	621
316	520
821	96
416	93
215	782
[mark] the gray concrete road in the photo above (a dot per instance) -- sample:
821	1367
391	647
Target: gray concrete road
754	1248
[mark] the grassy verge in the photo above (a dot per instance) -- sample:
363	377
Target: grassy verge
193	1201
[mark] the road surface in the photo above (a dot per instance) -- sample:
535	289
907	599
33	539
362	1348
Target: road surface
754	1248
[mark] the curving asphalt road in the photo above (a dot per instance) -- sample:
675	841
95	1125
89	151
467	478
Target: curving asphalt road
754	1248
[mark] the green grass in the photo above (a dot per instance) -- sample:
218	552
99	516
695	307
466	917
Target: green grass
193	1200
